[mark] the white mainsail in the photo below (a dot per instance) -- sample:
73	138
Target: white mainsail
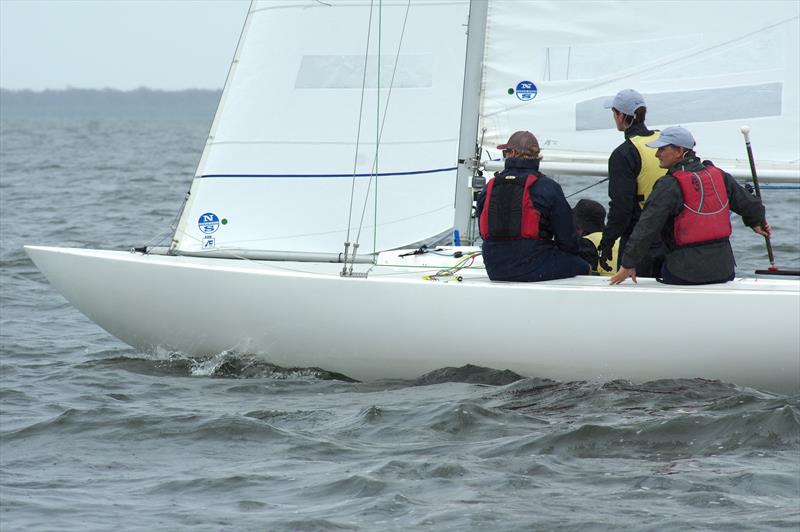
707	65
294	127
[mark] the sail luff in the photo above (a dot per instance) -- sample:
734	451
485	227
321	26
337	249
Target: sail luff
182	225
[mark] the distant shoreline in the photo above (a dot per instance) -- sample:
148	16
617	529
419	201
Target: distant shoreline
106	89
142	103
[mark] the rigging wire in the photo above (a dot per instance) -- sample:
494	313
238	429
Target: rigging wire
378	132
380	123
358	139
172	231
587	188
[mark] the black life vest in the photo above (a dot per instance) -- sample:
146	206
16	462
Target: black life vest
508	211
706	213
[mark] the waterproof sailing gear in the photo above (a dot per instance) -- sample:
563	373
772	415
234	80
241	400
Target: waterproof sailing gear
650	170
554	255
607	256
625	170
508	212
706	214
704	262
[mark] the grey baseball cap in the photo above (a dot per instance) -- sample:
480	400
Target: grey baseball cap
675	135
627	101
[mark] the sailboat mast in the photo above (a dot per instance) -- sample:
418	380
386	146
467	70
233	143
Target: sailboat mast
470	113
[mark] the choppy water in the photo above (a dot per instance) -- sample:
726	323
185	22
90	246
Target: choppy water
95	435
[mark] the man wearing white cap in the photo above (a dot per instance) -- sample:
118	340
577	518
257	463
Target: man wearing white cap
690	208
632	171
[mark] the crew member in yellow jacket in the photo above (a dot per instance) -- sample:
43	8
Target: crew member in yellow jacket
590	220
633	169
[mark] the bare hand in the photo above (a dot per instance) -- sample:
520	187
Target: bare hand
623	274
763	229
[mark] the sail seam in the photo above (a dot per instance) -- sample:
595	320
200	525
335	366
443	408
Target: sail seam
329	142
385	174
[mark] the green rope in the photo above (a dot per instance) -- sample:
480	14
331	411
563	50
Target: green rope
464	262
377	139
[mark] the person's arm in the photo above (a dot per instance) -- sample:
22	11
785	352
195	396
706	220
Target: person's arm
746	205
562	221
623	167
480	202
588	252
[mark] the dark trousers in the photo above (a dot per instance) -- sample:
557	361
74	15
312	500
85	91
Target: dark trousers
668	278
650	265
527	262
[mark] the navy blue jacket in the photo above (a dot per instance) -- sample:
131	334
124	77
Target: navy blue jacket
509	259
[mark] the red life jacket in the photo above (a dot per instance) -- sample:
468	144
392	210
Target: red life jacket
706	213
508	211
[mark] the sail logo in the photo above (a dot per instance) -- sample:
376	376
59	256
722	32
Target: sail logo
526	91
208	223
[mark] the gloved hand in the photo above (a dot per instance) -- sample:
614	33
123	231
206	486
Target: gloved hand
605	252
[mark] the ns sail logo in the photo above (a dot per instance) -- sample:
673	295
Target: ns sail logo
208	223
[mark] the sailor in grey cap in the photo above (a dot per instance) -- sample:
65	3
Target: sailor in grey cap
632	171
690	209
675	136
626	102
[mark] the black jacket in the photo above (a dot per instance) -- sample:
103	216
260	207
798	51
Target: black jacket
696	263
624	166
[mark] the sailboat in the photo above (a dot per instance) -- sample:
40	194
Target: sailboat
350	139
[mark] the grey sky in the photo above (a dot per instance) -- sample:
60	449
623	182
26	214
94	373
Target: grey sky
121	44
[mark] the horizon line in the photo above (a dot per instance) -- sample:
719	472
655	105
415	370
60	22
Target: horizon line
106	89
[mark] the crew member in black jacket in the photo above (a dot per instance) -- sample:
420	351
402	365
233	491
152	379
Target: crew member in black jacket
632	171
525	221
690	208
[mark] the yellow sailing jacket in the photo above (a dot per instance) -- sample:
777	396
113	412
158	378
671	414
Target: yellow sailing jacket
595	238
650	171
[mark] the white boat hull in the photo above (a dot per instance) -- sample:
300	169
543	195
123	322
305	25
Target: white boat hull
395	324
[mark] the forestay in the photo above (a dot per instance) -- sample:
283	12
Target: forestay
709	66
292	129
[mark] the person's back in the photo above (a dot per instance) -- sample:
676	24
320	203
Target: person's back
633	169
525	221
